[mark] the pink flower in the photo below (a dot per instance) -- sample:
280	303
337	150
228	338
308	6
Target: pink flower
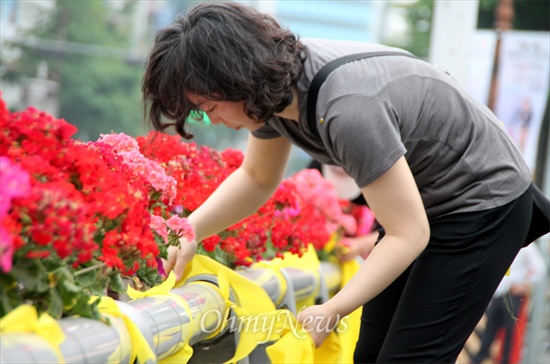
15	183
121	142
158	225
6	250
151	171
365	220
182	227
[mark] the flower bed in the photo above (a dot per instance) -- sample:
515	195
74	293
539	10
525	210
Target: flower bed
76	218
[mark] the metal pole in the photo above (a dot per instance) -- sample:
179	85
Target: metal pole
163	322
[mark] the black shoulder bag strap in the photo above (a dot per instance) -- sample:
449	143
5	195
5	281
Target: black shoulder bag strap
323	73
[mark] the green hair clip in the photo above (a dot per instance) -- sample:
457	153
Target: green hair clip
196	117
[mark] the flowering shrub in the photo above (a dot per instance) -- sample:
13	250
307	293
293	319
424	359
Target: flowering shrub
269	232
304	209
75	216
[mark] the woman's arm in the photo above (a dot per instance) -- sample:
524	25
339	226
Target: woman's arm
239	196
358	246
395	201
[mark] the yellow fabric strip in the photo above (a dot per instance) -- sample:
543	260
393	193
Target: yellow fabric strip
25	319
140	349
307	262
252	305
163	289
296	345
349	326
278	275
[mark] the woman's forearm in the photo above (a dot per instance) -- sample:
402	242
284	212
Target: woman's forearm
236	198
396	203
385	263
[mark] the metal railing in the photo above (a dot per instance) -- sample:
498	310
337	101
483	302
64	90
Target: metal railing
163	322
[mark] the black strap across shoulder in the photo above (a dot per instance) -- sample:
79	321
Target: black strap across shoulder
323	73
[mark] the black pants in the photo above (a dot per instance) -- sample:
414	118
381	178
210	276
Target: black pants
428	313
502	313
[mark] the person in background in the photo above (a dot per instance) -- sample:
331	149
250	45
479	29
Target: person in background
437	168
503	312
355	246
521	121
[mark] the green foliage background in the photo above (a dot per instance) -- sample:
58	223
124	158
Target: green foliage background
98	94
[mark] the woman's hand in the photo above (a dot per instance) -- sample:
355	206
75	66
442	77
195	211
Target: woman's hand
179	257
319	322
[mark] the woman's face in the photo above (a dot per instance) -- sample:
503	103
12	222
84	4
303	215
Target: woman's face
229	113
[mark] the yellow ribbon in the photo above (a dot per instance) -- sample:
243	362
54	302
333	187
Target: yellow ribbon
25	319
252	305
180	357
349	326
163	289
258	321
278	275
331	244
308	262
223	291
339	345
296	345
140	348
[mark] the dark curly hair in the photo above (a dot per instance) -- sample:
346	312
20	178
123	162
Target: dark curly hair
224	51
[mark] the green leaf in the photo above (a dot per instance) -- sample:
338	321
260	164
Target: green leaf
115	283
150	276
270	250
54	304
70	293
31	274
9	301
87	279
8	281
83	308
63	274
52	264
98	288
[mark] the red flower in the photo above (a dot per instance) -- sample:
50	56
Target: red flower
210	243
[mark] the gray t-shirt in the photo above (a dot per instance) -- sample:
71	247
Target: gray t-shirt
378	109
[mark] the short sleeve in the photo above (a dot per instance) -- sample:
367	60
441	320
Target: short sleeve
364	135
267	131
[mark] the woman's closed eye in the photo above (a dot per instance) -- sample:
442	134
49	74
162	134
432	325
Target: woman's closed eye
208	108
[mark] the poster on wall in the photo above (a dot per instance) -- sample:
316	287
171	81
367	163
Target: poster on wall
522	89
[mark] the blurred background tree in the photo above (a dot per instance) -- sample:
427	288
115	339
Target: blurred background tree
85	47
418	20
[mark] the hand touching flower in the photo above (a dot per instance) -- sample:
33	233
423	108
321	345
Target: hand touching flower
179	257
179	234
